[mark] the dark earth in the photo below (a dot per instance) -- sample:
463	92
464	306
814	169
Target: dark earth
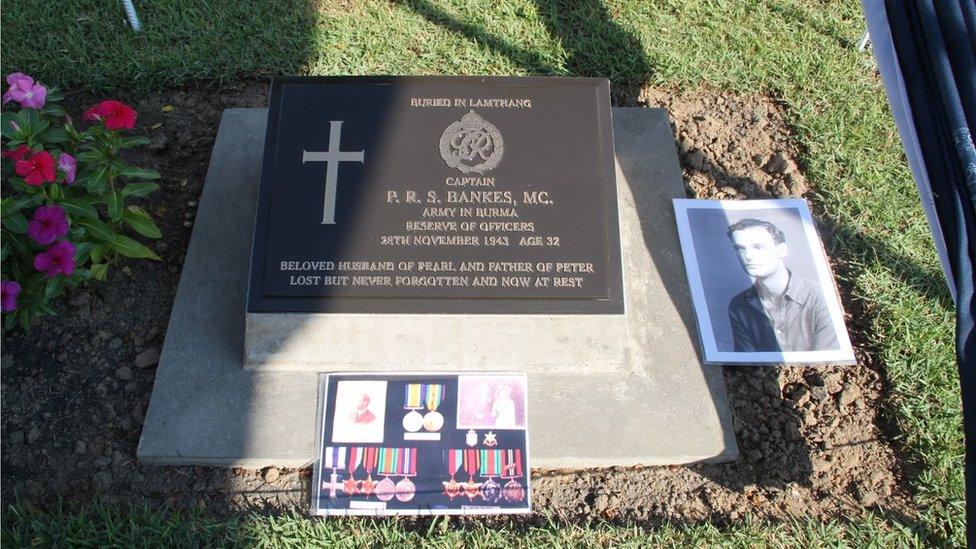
76	386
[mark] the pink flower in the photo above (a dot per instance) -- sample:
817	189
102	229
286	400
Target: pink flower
58	259
24	91
37	169
17	154
68	165
116	114
9	290
48	223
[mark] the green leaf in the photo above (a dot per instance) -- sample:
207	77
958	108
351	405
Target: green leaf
16	203
15	223
88	157
141	222
97	182
24	118
99	271
54	135
115	205
130	248
18	185
78	207
54	110
7	125
139	189
98	252
56	192
141	173
82	252
10	319
54	287
40	126
98	229
130	142
35	282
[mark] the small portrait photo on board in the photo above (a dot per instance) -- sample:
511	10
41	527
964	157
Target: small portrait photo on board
491	402
760	282
359	412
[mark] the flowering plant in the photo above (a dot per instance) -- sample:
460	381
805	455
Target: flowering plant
63	210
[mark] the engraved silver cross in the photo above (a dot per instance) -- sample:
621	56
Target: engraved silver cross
332	157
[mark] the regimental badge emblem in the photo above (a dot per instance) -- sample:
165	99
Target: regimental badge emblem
472	144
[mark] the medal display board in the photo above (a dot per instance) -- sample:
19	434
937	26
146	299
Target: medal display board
437	195
421	444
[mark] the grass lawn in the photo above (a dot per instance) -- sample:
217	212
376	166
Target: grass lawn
801	53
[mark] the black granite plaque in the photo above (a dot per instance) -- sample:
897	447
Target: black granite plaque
437	195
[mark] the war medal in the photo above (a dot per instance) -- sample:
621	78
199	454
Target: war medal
351	485
452	488
471	438
513	491
405	489
413	421
491	466
434	395
335	458
471	488
370	457
385	489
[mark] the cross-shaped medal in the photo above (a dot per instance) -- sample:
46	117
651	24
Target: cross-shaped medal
333	484
332	158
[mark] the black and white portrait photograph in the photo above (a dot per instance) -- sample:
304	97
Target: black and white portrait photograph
761	286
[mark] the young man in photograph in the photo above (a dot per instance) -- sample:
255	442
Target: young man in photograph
781	311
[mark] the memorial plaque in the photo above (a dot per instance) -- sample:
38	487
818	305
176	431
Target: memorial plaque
437	195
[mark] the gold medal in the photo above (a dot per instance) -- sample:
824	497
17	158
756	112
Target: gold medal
433	421
434	395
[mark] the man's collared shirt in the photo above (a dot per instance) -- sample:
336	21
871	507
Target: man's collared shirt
801	322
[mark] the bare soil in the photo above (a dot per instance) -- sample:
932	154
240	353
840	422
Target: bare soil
75	387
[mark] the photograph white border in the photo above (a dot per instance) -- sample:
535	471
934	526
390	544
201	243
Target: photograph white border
843	355
323	401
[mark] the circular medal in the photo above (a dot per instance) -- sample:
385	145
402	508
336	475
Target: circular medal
451	488
385	489
491	491
513	491
433	421
413	421
405	490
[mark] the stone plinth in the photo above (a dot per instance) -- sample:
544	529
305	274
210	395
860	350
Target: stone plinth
659	405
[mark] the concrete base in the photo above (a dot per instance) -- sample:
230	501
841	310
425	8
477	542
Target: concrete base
321	342
663	407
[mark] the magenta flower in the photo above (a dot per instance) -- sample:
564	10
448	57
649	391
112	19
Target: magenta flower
24	91
58	259
48	223
9	290
68	165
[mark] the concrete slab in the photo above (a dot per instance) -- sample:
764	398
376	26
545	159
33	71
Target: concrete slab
665	407
435	342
